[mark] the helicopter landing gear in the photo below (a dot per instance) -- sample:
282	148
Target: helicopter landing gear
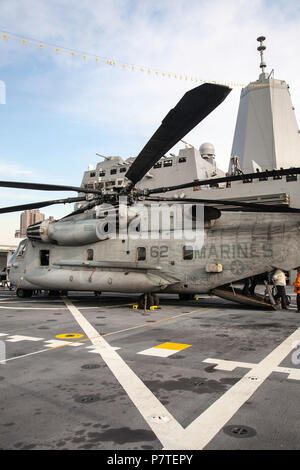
148	300
287	297
186	297
24	293
53	293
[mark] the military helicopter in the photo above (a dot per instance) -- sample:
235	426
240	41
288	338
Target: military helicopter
107	245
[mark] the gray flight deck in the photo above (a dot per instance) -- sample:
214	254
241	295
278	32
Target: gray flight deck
229	377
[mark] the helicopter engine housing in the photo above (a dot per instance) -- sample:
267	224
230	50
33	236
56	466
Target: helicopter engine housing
70	233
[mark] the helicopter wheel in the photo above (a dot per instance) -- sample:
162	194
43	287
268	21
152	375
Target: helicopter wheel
186	297
53	293
151	300
23	293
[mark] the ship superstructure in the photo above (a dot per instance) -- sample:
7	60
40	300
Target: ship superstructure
266	137
188	165
266	134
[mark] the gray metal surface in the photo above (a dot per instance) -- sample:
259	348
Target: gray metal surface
67	397
245	244
266	137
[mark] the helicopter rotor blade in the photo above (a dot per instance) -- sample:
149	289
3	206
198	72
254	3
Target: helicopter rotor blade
83	209
232	205
47	187
37	205
262	175
195	105
91	205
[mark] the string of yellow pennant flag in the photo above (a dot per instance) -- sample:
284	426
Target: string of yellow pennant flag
114	62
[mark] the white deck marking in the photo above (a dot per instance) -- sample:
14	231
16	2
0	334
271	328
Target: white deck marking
293	373
32	301
228	365
141	325
165	349
204	428
168	431
158	352
56	308
24	355
93	349
16	338
32	308
53	343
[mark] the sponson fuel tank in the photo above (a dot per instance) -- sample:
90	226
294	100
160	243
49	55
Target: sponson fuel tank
69	233
91	280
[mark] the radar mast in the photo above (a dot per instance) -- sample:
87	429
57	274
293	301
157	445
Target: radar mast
261	48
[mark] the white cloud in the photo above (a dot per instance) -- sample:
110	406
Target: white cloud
13	169
214	40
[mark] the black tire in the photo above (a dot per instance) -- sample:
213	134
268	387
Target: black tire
53	293
24	293
155	300
20	293
151	300
141	302
186	297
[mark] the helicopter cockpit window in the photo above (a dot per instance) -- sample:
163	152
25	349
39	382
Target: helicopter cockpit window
187	252
89	254
22	249
141	253
44	257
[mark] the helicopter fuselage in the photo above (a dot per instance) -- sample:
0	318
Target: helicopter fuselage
233	247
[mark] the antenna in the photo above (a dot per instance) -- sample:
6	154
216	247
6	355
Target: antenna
187	145
106	158
261	50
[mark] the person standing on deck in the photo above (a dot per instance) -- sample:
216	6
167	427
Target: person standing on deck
279	279
297	288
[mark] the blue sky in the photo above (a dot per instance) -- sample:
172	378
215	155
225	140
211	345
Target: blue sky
60	110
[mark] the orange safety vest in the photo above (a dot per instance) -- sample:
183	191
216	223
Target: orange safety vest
297	284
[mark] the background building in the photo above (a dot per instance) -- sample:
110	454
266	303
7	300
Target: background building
28	218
